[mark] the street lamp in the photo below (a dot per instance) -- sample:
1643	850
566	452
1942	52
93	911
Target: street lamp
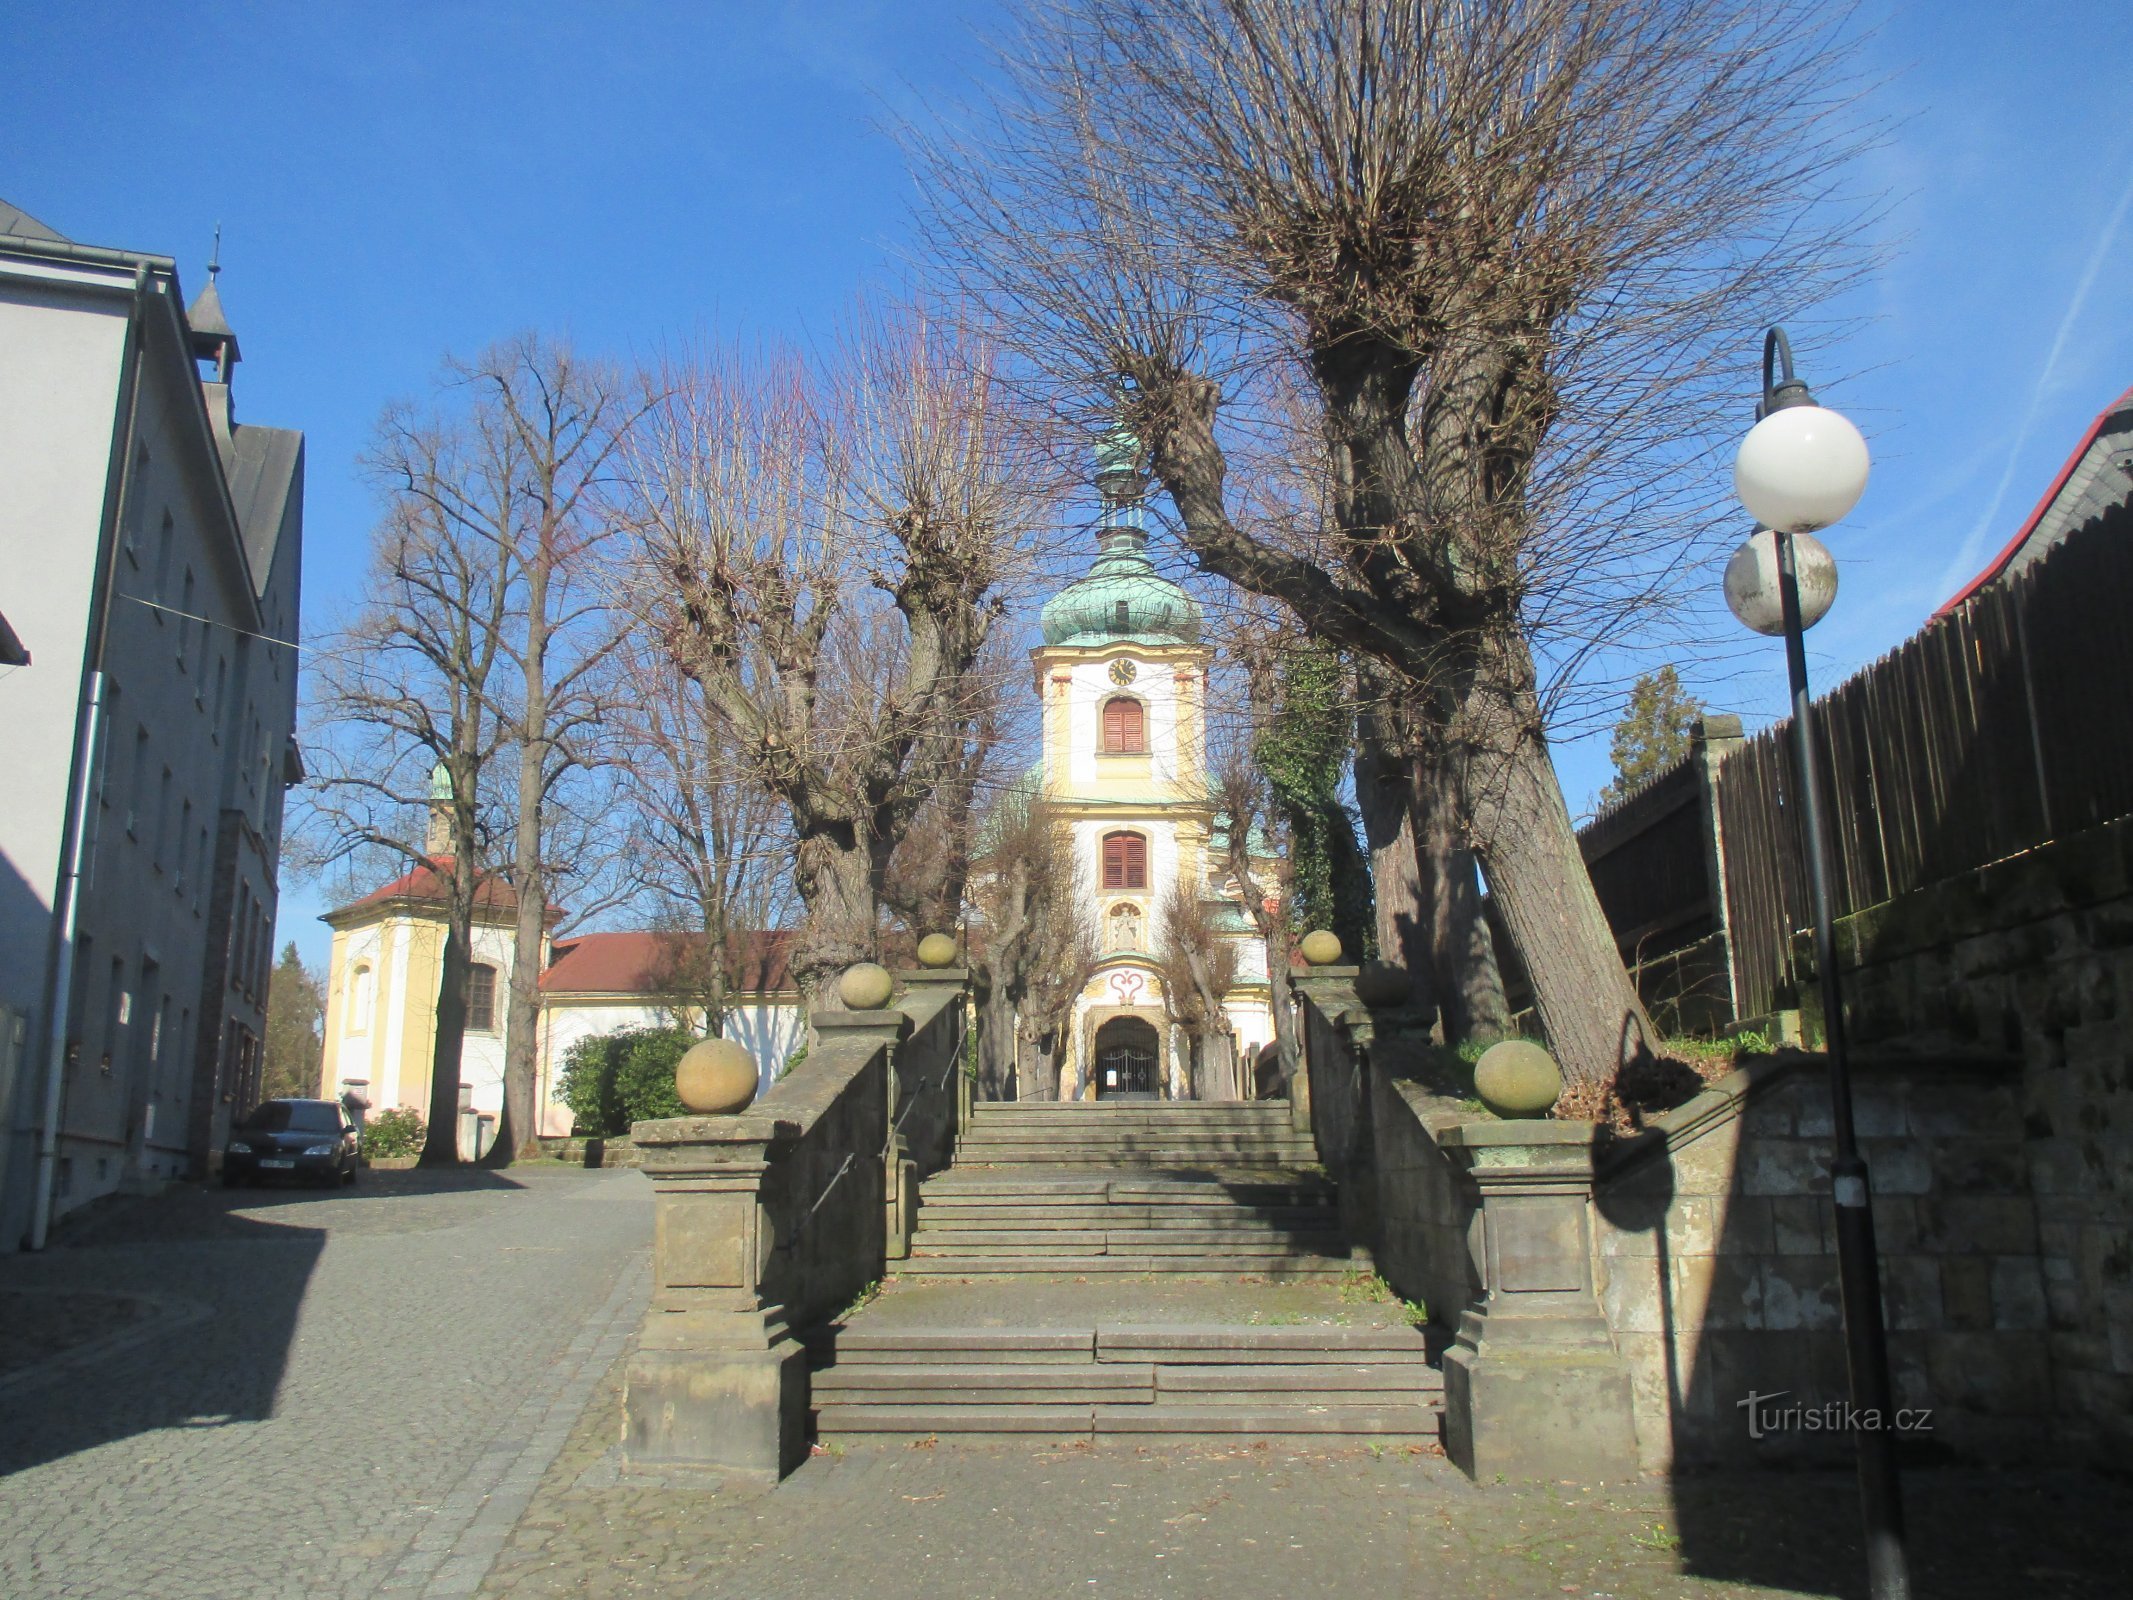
1802	468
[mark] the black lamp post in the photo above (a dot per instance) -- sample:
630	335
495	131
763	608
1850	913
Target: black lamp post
1799	469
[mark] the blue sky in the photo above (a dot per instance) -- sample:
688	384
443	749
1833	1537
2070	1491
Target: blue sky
395	181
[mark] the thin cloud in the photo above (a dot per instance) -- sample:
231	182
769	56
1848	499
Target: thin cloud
1972	548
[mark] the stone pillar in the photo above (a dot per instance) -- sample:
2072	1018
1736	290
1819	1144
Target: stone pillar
1331	991
717	1379
1533	1386
1712	738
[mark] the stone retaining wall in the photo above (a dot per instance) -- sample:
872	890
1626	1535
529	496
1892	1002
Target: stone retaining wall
2032	957
1716	1259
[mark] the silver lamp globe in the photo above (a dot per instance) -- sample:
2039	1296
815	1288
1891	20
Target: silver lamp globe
1801	468
1752	592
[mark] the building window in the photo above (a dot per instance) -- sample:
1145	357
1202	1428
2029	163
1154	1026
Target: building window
481	999
1125	861
361	990
1125	727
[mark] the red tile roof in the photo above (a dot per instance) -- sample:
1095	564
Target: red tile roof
492	892
648	963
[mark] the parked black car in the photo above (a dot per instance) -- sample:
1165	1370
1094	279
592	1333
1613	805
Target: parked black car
314	1139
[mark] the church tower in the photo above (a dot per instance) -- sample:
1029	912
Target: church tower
1122	676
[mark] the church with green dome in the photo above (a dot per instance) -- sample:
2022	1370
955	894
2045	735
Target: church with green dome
1123	679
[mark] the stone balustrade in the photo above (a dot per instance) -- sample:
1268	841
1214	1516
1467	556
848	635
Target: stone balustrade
769	1222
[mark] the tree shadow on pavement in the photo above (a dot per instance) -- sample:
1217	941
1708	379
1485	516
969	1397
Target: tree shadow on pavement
182	1308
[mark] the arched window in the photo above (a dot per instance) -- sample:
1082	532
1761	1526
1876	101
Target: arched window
481	999
1125	861
361	992
1125	727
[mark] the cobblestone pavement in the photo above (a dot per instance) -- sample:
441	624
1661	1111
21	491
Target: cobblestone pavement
962	1521
315	1394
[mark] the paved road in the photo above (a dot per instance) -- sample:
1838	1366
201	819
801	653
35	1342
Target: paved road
344	1394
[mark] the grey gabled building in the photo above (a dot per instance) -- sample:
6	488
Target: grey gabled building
150	561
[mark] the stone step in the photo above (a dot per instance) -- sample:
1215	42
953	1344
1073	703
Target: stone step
1101	1242
840	1346
1416	1422
956	1213
1197	1344
1128	1110
1250	1382
1131	1185
1051	1153
1009	1383
1198	1264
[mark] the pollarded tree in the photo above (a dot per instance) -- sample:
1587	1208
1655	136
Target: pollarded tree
1033	948
822	551
1199	969
1513	249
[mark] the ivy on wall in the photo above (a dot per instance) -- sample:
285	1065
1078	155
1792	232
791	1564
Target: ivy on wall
1303	749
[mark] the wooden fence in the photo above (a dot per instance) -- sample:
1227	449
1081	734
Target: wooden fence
1997	728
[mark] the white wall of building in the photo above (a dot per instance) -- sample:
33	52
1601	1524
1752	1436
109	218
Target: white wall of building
770	1031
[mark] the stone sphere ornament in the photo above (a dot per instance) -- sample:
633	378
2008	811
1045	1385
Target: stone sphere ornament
1380	983
866	986
715	1077
936	950
1516	1078
1752	591
1320	948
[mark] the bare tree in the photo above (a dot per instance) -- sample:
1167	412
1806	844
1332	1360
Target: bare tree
543	426
1513	249
1199	969
1242	794
709	848
1034	948
406	713
822	554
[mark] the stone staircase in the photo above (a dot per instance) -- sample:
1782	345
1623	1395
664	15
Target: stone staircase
1231	1381
1128	1133
1153	1187
1124	1221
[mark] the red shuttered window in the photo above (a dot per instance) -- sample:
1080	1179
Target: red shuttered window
1125	861
1125	727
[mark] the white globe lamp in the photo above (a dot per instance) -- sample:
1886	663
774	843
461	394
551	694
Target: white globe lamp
1801	468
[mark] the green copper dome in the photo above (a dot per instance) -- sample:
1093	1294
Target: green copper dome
1122	600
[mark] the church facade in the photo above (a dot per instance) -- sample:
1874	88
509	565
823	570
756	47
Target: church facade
1122	675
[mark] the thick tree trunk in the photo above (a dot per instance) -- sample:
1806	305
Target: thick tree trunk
999	1046
517	1127
440	1147
1514	812
1384	791
835	874
1463	976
